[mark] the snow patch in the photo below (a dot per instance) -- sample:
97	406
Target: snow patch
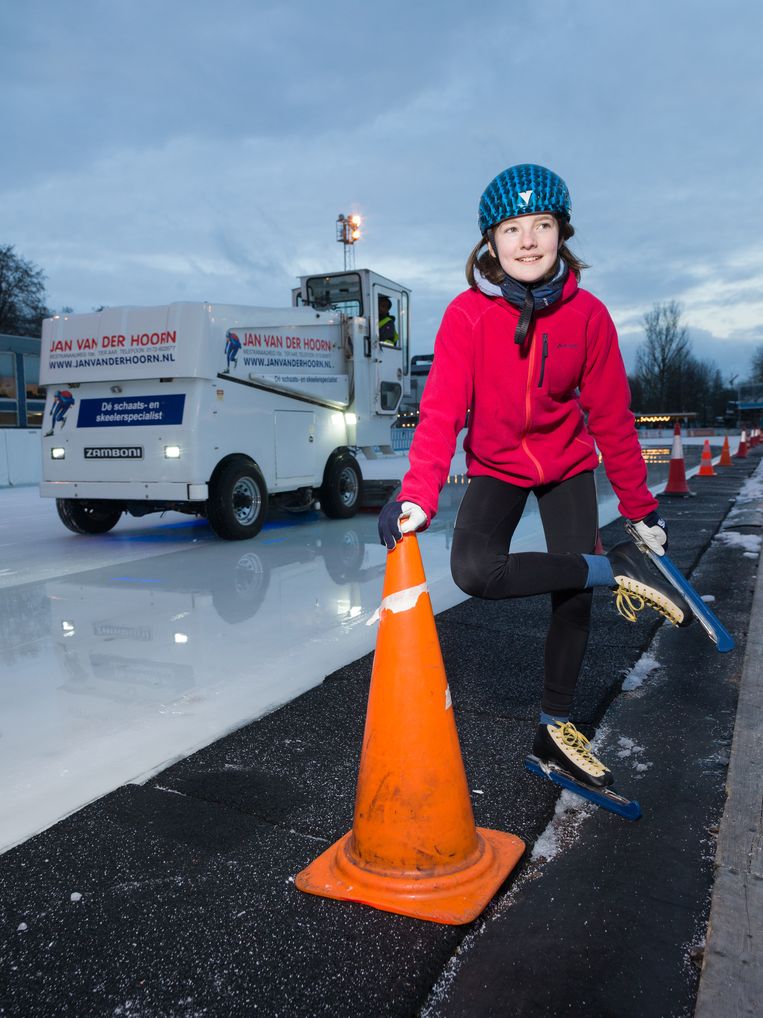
628	750
749	543
752	489
641	671
75	896
708	598
563	828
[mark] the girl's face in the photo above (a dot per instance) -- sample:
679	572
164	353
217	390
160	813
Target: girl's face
527	246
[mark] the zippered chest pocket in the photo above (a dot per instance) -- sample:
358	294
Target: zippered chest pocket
561	365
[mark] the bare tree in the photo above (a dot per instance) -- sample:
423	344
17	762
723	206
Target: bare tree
661	361
756	374
22	294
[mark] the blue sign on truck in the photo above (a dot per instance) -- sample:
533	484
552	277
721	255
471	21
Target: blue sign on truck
128	411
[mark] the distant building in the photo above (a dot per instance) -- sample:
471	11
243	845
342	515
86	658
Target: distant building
22	400
750	396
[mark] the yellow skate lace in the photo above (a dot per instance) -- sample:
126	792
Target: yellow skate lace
577	741
630	602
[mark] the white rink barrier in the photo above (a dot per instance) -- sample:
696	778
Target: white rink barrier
20	457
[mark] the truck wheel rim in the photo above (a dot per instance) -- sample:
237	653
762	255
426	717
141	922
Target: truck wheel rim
246	501
348	487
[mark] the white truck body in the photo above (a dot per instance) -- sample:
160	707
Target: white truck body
144	404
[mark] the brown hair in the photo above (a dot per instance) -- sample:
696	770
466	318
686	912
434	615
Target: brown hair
489	267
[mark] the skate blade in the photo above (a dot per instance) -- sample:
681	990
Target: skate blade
608	799
710	622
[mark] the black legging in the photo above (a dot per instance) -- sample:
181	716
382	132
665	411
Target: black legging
482	565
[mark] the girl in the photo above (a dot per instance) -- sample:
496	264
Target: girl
528	354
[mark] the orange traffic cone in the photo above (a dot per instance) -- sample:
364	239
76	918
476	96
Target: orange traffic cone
706	463
677	473
414	848
741	452
725	460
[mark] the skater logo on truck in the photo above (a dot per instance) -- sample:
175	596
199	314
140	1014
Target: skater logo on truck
62	401
232	348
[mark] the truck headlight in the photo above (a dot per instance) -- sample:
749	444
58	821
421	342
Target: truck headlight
172	452
58	453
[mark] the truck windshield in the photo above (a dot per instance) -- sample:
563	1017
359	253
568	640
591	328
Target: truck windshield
338	293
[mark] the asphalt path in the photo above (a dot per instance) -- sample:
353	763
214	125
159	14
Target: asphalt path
176	897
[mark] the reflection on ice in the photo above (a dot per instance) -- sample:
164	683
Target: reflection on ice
127	652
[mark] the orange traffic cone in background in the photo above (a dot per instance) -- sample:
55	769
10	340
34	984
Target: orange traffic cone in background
706	463
677	473
741	452
725	460
414	848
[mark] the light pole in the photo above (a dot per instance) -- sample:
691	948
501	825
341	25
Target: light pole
347	234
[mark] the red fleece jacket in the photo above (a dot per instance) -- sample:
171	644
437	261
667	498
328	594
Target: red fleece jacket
526	405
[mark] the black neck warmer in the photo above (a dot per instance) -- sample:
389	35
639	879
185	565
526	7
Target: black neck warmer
534	297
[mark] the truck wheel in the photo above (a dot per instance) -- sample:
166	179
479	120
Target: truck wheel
238	501
342	487
85	518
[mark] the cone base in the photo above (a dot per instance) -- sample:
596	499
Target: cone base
453	898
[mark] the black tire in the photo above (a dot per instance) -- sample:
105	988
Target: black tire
238	596
86	517
238	501
343	554
342	487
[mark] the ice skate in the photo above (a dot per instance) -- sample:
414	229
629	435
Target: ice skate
639	584
563	744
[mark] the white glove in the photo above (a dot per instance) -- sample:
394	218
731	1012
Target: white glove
653	531
412	517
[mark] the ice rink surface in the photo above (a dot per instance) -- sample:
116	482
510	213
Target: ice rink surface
124	652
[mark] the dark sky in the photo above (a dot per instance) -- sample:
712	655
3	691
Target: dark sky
165	150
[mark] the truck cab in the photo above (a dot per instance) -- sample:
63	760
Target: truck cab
385	307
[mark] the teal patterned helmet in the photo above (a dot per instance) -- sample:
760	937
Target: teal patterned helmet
523	190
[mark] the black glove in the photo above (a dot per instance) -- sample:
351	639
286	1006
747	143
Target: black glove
390	529
389	524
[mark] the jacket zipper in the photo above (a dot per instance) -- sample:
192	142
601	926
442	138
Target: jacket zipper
528	413
543	362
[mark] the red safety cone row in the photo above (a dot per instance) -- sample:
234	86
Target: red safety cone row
725	460
677	474
741	452
706	463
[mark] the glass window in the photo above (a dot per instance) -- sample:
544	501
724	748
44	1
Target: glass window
8	418
32	377
336	293
34	418
7	376
388	317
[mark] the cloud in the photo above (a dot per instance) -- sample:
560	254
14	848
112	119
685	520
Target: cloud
190	151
